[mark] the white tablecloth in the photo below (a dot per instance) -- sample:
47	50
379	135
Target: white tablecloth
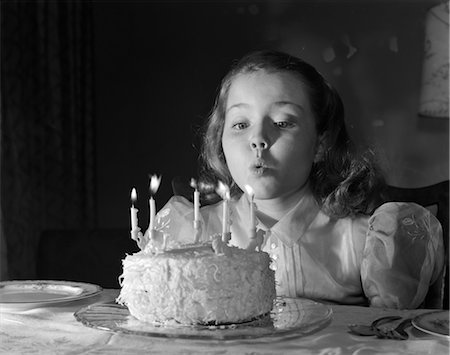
54	330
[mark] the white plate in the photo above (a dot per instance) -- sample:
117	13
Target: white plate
37	293
436	323
289	317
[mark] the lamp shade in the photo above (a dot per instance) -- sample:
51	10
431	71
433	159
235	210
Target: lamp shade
434	95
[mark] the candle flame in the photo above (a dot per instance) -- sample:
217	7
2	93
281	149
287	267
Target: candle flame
205	187
133	195
193	183
223	191
250	191
155	180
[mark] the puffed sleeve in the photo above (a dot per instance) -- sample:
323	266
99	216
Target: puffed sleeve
175	220
403	255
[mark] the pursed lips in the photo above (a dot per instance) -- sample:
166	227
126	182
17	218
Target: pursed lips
258	166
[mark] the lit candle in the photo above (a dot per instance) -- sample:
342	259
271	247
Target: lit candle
133	210
152	205
226	216
251	196
154	185
196	199
224	192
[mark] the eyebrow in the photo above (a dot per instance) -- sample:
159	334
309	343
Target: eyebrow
236	106
289	103
277	104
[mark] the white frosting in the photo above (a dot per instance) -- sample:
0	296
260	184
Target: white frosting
194	285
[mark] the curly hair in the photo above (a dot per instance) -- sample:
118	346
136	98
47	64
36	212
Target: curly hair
344	181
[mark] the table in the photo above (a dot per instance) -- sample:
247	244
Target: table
54	330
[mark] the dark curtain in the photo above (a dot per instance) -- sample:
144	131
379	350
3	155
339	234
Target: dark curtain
47	127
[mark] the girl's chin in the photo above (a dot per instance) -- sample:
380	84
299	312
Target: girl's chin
266	193
261	185
272	190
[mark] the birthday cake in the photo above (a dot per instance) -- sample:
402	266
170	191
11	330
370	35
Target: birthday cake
195	284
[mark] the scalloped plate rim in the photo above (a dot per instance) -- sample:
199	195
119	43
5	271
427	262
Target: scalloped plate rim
42	287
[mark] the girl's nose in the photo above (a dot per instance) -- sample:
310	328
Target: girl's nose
257	144
259	140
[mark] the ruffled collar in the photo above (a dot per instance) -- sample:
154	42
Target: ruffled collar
291	227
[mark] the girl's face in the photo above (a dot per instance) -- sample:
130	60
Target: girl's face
269	137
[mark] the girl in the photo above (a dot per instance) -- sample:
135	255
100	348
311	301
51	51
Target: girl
278	126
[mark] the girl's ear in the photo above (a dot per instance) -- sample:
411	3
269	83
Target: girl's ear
320	147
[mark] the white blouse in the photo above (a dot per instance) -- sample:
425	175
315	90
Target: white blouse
388	259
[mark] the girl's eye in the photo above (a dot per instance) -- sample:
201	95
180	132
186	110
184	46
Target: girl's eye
283	124
240	125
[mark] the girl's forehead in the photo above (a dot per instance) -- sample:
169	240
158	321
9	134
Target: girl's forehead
281	83
285	79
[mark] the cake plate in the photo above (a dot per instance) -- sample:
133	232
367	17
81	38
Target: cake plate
289	317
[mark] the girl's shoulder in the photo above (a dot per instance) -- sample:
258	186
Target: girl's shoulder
178	203
404	220
182	206
404	212
397	221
